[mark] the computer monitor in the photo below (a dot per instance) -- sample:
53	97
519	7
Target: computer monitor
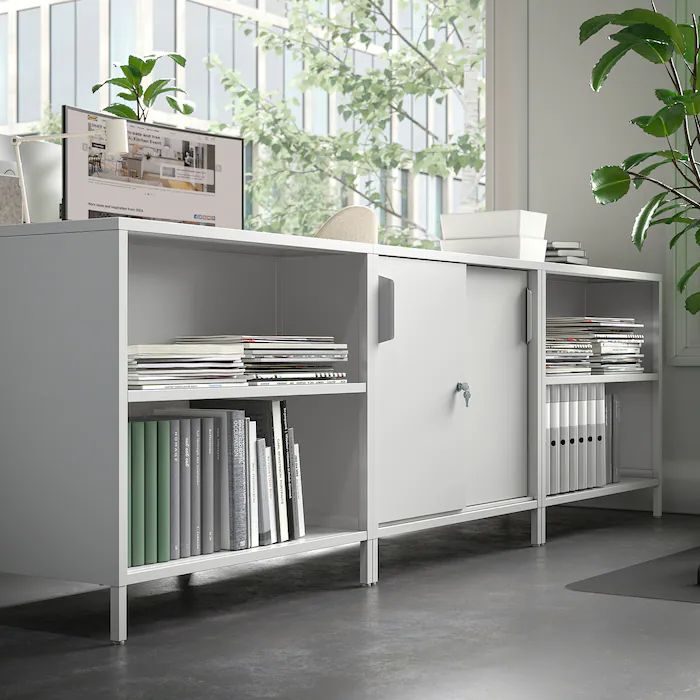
167	174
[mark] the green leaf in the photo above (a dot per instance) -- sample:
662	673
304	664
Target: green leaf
667	96
691	102
689	37
136	65
692	303
148	65
638	158
664	123
128	96
134	80
682	233
122	111
183	107
606	64
120	82
648	41
656	19
609	184
685	277
593	26
639	181
643	220
180	60
153	90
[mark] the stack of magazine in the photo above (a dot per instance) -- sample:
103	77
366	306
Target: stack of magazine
283	359
221	476
569	252
594	345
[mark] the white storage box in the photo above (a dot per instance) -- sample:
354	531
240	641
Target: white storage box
487	224
502	246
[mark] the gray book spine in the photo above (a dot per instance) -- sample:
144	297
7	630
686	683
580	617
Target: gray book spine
222	466
238	483
299	497
196	490
264	515
297	507
207	485
185	487
174	489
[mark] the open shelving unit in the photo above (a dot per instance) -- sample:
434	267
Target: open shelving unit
601	378
394	451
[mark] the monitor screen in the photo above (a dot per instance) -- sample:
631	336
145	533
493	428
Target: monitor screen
168	174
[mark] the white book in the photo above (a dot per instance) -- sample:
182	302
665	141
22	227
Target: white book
590	428
280	484
299	520
564	439
573	438
548	437
600	435
253	526
271	501
556	451
582	438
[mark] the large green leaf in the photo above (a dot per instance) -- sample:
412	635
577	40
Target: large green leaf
607	63
692	303
609	184
638	158
689	37
668	97
137	66
121	111
594	25
656	19
648	41
685	277
643	220
664	123
691	102
153	90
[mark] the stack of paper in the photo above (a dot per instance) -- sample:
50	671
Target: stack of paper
566	252
199	365
283	359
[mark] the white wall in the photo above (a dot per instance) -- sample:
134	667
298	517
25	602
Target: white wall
571	131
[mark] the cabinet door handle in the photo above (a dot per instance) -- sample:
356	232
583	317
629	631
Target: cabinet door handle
466	392
386	309
528	315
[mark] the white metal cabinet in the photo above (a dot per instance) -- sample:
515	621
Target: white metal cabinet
495	361
421	437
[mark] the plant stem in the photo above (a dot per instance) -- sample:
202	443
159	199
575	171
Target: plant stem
672	190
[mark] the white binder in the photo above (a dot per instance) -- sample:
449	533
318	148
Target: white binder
600	448
554	413
573	438
590	437
548	439
564	439
582	435
608	438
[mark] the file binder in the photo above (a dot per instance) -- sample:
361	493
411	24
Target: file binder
573	438
600	434
590	437
548	438
582	435
564	438
554	413
608	438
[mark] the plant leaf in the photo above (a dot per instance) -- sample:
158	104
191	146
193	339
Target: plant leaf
682	233
691	102
643	220
664	123
128	96
183	107
593	26
667	96
656	19
148	65
609	184
685	277
180	60
692	303
639	181
606	64
119	110
136	65
689	37
152	91
638	158
646	40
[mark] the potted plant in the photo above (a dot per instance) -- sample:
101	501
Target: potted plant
675	126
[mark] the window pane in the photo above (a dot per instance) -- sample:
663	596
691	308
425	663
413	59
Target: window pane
274	73
221	46
4	60
420	114
164	36
196	50
87	53
62	55
317	104
28	68
292	94
245	54
122	34
277	7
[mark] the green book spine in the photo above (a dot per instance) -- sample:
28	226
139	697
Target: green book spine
129	481
163	490
138	539
151	490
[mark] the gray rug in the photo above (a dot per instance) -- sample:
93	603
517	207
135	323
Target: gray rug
672	577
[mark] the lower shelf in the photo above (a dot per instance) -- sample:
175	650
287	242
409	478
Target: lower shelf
317	538
623	486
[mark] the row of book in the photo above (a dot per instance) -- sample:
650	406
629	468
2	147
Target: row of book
593	345
568	252
236	360
221	476
579	439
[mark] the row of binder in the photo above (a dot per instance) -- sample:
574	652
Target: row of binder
578	422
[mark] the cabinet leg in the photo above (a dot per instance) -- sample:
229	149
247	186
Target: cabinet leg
657	505
538	527
369	562
117	614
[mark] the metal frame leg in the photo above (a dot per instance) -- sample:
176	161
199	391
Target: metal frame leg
117	614
369	562
538	527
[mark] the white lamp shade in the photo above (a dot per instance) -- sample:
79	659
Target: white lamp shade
117	140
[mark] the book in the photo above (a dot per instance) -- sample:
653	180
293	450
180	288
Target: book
207	485
271	498
238	500
196	486
185	487
298	527
563	244
174	489
163	531
288	466
280	473
564	252
266	501
138	502
568	259
252	477
151	491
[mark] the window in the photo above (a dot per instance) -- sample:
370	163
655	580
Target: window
62	55
164	36
4	56
87	53
196	50
220	46
123	24
28	66
245	57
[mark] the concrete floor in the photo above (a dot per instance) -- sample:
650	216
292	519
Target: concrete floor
466	612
